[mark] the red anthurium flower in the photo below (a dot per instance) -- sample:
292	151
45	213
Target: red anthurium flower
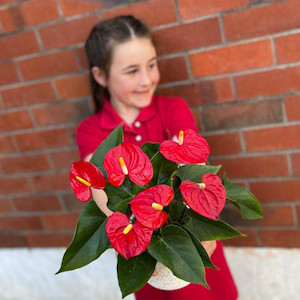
206	198
127	159
191	148
84	175
128	239
148	205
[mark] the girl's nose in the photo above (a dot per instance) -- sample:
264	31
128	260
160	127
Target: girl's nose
145	78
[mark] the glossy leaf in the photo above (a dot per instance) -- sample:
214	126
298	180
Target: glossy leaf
241	198
193	150
137	165
163	169
175	250
150	149
83	176
134	272
142	205
202	252
206	229
118	197
129	244
195	172
113	140
90	239
208	200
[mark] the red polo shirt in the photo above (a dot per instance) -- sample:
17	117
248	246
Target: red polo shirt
159	121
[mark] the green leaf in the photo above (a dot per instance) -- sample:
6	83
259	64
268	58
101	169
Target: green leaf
134	272
150	149
195	172
113	140
201	250
118	197
175	250
206	229
90	239
162	169
241	198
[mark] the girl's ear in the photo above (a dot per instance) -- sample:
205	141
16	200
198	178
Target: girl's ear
99	76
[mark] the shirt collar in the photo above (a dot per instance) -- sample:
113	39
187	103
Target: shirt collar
110	119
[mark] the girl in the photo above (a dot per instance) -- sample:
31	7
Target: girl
124	76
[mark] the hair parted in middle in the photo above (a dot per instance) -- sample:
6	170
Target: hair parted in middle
99	47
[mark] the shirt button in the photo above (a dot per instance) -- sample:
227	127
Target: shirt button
138	138
137	124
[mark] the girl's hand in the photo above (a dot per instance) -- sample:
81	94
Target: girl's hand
209	246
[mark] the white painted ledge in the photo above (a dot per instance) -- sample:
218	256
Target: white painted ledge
260	273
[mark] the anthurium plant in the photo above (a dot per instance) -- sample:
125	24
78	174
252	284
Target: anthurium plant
165	200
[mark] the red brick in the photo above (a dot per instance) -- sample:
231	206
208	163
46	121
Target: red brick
162	12
53	182
73	86
18	44
203	92
15	120
173	69
72	203
28	94
71	7
43	139
254	166
267	83
8	74
263	20
28	14
12	241
14	186
292	108
82	58
243	114
188	36
232	59
37	203
7	144
61	221
62	113
190	9
276	216
298	213
276	138
49	240
25	163
296	163
250	240
3	2
223	144
287	48
5	205
196	116
20	223
67	33
280	237
64	159
276	190
49	65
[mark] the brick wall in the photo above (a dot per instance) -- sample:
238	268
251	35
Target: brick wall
237	63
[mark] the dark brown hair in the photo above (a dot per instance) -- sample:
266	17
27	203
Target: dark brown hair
100	44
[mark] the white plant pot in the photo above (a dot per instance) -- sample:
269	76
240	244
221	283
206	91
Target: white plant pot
166	280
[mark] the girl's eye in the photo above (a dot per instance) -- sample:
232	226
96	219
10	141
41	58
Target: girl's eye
133	71
151	66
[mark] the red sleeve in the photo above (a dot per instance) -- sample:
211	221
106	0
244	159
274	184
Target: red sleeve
89	136
179	116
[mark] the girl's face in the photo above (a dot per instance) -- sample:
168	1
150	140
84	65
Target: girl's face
133	74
